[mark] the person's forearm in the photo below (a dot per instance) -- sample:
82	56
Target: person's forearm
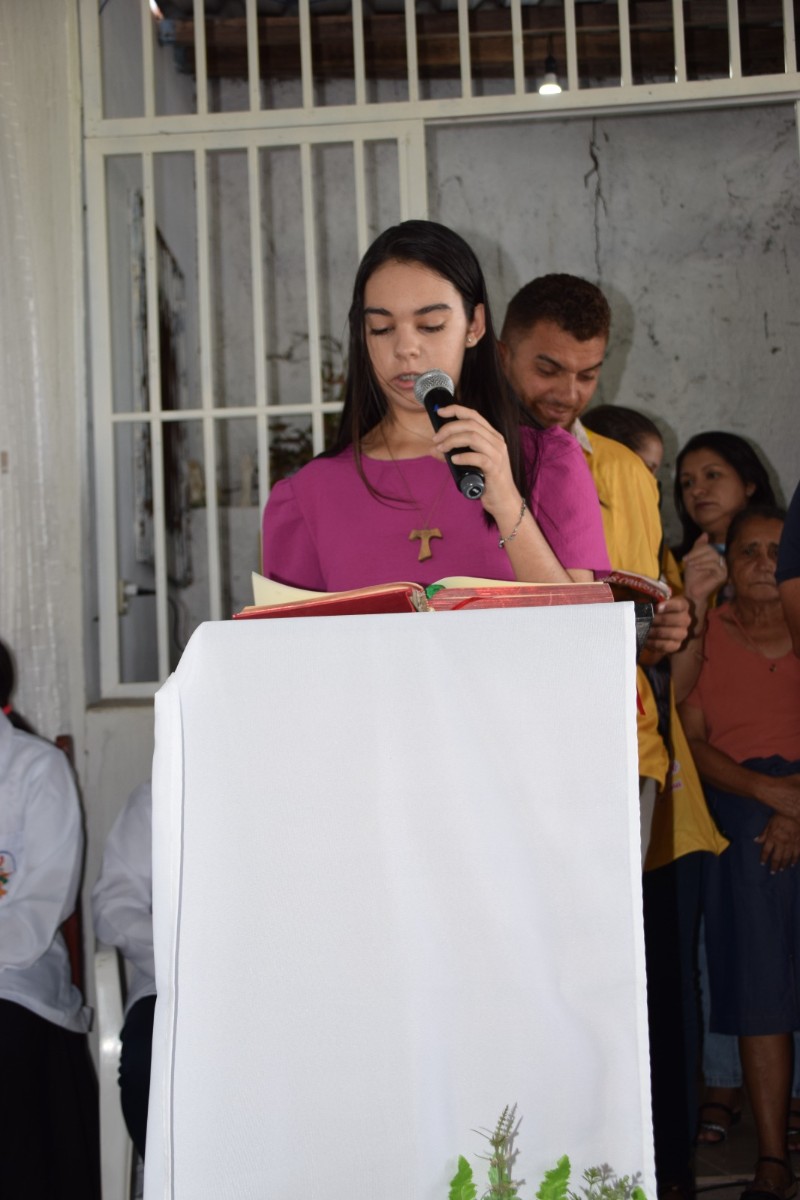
687	662
686	666
528	550
722	771
790	600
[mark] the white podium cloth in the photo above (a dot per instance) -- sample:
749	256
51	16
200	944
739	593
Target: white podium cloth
396	887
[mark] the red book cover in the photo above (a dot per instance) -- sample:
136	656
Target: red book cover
447	595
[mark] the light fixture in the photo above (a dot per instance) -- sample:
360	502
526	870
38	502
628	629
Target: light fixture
550	85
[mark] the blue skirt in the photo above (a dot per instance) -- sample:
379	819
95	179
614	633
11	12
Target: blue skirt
752	920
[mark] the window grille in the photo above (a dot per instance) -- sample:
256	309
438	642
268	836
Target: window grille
237	166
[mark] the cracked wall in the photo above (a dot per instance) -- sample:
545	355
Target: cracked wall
691	224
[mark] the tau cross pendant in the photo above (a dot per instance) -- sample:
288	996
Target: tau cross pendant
424	537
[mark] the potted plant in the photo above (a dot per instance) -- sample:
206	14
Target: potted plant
599	1183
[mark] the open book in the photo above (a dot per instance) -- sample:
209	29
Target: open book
278	600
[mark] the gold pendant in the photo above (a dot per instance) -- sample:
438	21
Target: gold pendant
424	537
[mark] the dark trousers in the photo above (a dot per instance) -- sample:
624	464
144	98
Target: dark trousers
671	897
49	1118
134	1068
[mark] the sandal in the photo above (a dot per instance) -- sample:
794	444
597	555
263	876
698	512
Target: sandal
718	1129
676	1191
793	1127
762	1189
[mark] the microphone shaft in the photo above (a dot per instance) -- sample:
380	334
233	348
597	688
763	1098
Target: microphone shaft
470	480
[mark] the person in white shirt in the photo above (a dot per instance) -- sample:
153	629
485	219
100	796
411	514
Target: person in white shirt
122	908
49	1123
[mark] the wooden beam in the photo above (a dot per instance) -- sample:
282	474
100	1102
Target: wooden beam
491	42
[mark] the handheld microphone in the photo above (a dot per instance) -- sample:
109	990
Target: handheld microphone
434	389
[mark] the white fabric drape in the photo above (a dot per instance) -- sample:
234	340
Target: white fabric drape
396	886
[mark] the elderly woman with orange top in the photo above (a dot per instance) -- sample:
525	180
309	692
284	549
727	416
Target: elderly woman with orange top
743	723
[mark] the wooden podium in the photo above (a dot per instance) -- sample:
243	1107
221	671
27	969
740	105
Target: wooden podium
397	887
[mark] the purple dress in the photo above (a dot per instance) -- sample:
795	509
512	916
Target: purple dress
324	531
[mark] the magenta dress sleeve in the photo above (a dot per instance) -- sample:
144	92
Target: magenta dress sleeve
565	503
289	553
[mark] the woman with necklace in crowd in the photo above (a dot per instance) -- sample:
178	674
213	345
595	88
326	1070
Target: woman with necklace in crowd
381	506
743	723
717	474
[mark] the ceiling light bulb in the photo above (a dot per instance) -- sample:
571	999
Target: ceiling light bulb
550	85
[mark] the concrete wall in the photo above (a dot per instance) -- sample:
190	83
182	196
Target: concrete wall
690	222
43	412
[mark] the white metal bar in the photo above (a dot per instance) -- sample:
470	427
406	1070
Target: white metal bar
789	47
413	173
76	184
321	133
679	37
517	48
626	68
306	64
734	44
253	67
220	414
358	52
572	48
259	331
148	72
280	127
131	691
412	58
200	62
360	177
91	64
312	296
464	55
102	401
207	382
156	429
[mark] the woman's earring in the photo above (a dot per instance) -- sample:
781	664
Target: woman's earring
470	339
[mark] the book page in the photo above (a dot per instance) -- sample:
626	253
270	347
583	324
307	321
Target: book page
267	592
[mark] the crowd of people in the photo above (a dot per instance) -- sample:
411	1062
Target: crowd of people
420	304
568	495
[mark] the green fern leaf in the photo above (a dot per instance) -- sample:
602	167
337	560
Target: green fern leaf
554	1184
462	1185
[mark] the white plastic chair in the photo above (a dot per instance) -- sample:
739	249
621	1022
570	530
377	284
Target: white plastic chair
116	1148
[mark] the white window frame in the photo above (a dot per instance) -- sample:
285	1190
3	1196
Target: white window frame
204	132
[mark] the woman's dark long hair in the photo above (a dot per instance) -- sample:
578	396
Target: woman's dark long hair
7	687
482	385
738	454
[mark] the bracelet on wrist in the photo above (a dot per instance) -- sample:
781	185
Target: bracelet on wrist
502	541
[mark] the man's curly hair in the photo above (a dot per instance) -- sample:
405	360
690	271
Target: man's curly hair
572	303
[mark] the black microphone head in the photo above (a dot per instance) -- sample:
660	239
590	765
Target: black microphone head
430	381
471	483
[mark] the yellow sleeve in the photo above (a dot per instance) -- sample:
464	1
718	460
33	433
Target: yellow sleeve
628	496
672	572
